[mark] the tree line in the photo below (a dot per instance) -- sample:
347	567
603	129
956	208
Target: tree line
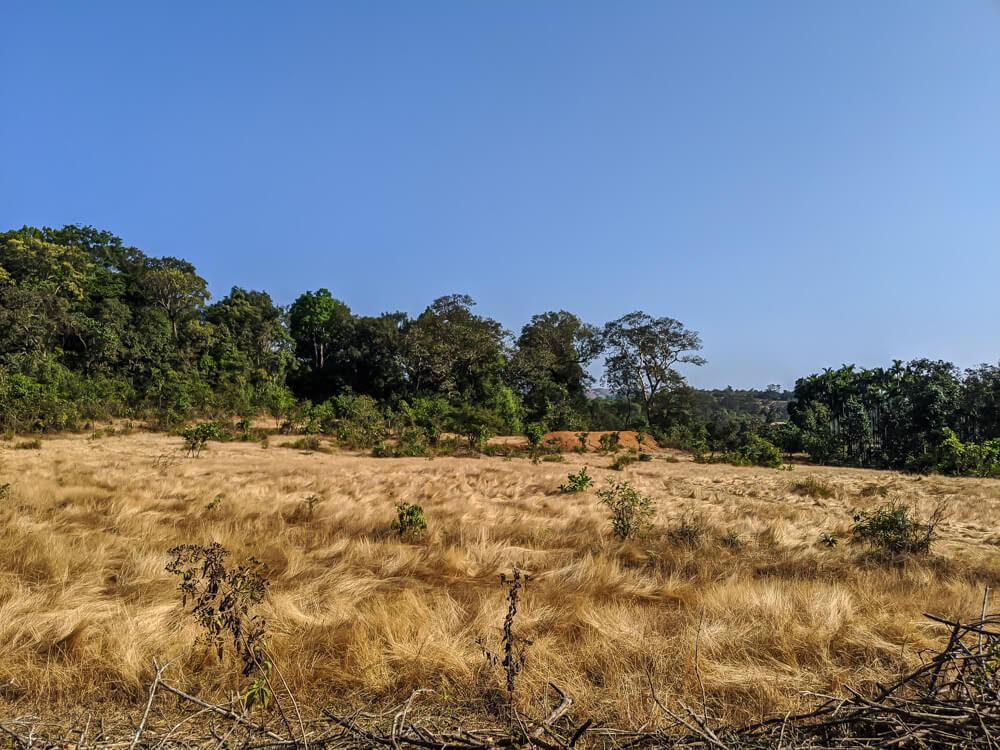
921	415
91	328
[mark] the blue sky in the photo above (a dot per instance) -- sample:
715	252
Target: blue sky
804	183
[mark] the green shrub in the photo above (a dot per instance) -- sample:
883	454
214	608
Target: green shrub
409	519
582	438
829	539
625	459
610	442
534	432
196	437
757	451
891	530
579	482
412	442
28	445
359	422
968	459
631	512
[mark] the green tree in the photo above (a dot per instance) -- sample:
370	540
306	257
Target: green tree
550	367
642	354
173	286
452	351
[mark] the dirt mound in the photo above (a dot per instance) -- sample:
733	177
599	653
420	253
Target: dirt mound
627	439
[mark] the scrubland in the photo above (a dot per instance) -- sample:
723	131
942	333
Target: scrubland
747	605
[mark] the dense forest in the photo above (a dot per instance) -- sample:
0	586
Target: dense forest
92	329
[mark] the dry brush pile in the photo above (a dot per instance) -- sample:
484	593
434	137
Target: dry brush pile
727	610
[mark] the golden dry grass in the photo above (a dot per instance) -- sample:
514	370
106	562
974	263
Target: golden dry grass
358	616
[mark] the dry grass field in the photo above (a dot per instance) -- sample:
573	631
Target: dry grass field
357	616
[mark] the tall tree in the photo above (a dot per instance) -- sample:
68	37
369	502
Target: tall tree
257	326
173	286
318	323
642	353
453	351
550	367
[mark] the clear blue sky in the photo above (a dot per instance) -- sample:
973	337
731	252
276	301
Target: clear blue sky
805	183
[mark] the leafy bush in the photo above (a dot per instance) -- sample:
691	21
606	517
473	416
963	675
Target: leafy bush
359	421
196	437
625	459
582	438
411	443
579	482
829	539
534	432
891	530
225	601
610	442
409	519
631	512
28	445
757	451
754	451
968	459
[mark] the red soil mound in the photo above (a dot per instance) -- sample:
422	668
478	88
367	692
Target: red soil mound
627	439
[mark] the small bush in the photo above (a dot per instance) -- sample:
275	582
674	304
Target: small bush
829	539
891	530
412	442
307	443
631	512
214	504
755	451
610	442
534	432
4	491
582	438
246	431
28	445
733	540
625	459
577	482
196	437
812	487
646	457
409	520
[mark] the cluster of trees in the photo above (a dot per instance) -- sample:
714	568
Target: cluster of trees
921	415
92	328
